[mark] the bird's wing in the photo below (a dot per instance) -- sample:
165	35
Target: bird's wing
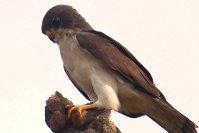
76	85
119	59
124	51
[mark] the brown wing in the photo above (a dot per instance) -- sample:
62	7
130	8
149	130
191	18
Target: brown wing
118	59
124	51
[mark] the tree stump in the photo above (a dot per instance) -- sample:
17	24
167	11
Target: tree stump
93	121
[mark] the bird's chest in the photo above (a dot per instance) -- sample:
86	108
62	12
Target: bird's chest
78	63
93	77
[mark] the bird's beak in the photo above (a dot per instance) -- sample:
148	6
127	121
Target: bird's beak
52	39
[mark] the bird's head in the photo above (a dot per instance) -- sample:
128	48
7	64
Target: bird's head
63	20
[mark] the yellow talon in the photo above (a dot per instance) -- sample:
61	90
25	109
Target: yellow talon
79	109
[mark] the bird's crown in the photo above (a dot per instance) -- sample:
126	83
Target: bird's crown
63	16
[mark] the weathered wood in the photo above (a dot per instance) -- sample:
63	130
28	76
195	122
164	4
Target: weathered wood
94	121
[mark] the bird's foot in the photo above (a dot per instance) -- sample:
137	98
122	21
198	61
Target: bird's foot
79	109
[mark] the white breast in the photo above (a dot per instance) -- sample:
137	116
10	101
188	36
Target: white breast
105	86
95	79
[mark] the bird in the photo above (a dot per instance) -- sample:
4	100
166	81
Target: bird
106	73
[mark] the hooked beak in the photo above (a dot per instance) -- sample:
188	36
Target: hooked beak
52	39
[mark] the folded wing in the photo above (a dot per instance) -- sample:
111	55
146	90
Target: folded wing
119	59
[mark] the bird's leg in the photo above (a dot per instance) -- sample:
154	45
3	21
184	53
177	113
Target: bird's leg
79	109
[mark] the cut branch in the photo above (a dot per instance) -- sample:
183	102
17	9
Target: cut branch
93	121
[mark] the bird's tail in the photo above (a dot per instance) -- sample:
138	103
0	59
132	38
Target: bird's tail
170	119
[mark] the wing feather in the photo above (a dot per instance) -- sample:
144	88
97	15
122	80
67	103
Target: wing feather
118	59
125	52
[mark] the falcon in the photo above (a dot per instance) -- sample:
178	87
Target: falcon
106	73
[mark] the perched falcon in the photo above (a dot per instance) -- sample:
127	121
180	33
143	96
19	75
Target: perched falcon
106	73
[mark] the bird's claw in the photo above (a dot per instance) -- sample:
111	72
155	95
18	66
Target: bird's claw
71	108
79	109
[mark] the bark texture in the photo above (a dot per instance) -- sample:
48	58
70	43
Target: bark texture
93	121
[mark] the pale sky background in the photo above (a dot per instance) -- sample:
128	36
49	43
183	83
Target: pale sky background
162	34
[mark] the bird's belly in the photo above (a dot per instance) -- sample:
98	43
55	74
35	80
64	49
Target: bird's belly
93	77
77	64
97	81
81	74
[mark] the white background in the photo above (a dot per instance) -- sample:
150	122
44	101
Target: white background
162	34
